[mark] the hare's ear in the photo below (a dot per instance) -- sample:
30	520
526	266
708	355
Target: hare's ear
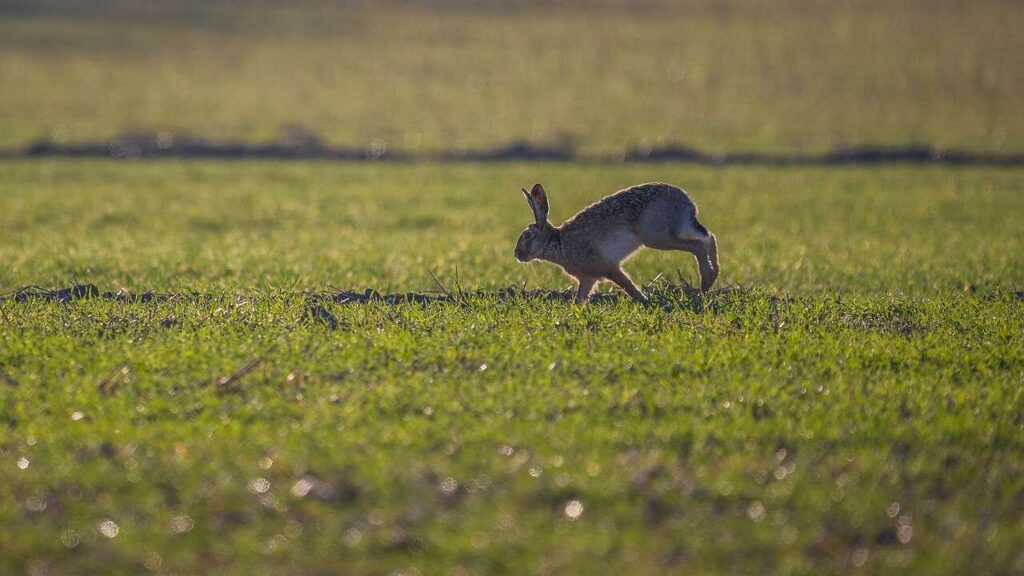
529	201
540	203
539	216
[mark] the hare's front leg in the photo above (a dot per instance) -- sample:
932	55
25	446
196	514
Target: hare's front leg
586	286
626	283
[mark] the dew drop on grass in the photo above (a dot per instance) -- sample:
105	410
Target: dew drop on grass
573	509
449	485
302	487
108	528
756	511
520	459
259	485
181	524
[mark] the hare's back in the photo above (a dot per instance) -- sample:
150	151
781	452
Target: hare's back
628	207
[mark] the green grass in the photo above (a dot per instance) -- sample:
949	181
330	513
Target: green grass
239	226
723	76
854	404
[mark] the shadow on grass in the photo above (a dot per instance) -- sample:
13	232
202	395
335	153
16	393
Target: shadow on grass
743	308
660	294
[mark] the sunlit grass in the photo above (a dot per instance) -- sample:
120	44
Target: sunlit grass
166	226
855	403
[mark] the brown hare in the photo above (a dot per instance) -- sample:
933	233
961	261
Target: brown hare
592	245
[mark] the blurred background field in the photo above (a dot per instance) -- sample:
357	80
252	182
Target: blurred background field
605	76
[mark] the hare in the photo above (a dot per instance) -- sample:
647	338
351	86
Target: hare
592	245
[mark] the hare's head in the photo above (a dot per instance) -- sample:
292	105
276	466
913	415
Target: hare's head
535	238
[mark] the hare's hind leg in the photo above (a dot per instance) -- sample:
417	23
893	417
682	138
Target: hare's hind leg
711	248
701	243
706	253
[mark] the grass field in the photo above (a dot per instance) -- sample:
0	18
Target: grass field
254	226
722	76
850	398
855	402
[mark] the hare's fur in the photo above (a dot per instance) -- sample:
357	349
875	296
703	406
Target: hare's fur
592	245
